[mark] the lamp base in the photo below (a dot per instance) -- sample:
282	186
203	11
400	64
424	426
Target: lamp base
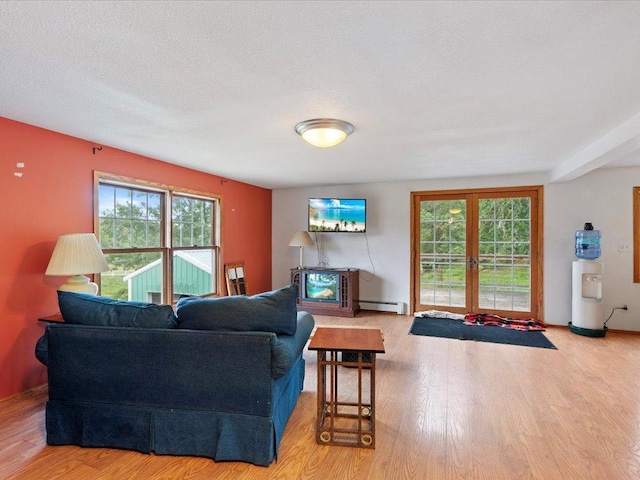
79	284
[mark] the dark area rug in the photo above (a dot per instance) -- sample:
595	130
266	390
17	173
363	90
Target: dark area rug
446	328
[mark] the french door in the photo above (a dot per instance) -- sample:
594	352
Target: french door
478	251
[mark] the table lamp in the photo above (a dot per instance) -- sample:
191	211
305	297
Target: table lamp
301	239
76	254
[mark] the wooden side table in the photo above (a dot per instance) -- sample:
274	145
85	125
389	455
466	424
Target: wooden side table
346	423
55	318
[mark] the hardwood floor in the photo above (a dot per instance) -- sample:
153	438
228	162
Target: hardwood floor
446	409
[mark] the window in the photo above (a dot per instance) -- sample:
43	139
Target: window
160	242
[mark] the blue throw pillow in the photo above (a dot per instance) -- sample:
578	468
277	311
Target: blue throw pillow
274	311
92	310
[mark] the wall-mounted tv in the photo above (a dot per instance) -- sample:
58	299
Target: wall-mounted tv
338	215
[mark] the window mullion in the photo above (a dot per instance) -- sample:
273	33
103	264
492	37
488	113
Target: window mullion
166	225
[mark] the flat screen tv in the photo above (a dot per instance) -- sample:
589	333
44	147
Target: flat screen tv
338	215
321	287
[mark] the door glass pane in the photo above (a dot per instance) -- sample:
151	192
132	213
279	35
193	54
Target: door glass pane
504	254
443	253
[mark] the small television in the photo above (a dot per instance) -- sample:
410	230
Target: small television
338	215
321	286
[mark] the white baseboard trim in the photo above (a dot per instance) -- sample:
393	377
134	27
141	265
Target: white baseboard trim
380	306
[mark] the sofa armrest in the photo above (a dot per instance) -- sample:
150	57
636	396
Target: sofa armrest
42	350
288	348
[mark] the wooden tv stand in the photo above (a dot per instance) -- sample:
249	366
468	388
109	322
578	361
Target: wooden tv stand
346	306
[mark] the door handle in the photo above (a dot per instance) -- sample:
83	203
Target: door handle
472	262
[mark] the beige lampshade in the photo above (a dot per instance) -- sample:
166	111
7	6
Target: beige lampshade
301	239
76	254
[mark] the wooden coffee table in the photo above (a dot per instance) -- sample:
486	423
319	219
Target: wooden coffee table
346	423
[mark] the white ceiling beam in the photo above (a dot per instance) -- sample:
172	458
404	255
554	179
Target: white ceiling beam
619	142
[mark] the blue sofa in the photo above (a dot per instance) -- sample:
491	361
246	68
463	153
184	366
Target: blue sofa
205	383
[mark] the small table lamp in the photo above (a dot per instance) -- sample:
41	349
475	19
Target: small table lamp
76	254
301	239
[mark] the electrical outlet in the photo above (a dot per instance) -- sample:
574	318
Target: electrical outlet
624	247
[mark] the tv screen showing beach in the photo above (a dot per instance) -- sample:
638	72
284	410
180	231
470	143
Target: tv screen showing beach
321	286
337	215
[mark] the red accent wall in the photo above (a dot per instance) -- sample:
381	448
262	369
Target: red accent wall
55	196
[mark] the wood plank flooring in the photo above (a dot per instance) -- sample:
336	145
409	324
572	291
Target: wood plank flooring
446	409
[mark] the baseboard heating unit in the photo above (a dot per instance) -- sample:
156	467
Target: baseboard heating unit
397	307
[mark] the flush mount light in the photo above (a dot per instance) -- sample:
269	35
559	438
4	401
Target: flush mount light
324	132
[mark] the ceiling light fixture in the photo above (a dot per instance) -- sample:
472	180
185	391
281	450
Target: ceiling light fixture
324	132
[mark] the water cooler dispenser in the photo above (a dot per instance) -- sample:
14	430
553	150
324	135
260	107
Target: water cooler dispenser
587	307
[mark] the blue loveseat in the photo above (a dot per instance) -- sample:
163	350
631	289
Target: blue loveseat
219	380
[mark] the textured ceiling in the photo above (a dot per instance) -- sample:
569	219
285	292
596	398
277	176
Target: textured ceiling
434	89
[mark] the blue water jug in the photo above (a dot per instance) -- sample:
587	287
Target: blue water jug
588	243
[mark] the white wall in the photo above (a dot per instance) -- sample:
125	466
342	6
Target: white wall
603	198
